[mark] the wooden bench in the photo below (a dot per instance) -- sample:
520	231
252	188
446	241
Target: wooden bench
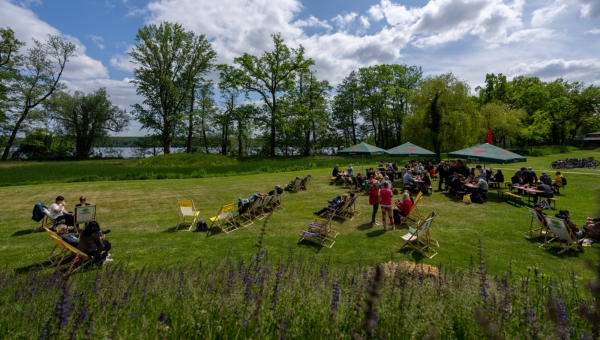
460	194
553	201
500	193
515	196
430	189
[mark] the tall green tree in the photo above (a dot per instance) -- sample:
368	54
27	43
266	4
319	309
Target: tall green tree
86	119
169	61
444	116
269	75
39	76
9	61
344	109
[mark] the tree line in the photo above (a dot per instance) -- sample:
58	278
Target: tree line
274	103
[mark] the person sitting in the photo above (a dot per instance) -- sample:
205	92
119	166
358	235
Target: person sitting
381	168
558	182
546	179
336	172
360	180
82	202
489	174
592	228
71	238
564	214
516	179
371	173
483	185
409	179
457	182
539	210
547	192
92	242
333	206
472	178
403	207
289	187
499	177
58	212
350	171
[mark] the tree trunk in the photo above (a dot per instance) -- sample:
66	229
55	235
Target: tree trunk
191	123
273	119
13	135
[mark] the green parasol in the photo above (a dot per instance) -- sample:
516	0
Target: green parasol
410	150
487	153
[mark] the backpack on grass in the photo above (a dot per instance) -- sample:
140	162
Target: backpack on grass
201	226
564	181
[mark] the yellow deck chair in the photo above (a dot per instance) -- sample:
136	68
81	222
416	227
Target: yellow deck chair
187	210
225	219
418	238
57	258
415	214
85	260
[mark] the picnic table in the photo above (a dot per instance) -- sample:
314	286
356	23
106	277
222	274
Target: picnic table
531	192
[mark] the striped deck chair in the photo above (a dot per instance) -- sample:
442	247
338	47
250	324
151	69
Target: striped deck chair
295	185
541	224
418	238
276	201
305	182
256	209
266	207
242	216
76	264
561	232
319	231
348	211
224	219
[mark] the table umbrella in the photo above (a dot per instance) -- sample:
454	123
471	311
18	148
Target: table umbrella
409	150
487	153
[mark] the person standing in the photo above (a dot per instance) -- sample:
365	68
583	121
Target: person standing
385	199
374	200
442	171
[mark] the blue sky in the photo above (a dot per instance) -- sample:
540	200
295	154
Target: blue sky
545	38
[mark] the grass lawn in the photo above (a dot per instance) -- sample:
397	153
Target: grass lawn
143	215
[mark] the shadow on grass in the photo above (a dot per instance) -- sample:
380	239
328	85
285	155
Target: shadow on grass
214	231
376	233
174	229
365	226
310	245
21	233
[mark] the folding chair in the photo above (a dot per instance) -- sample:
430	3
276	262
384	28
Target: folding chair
242	215
348	211
224	219
419	238
47	221
76	265
305	182
562	232
346	184
319	231
55	259
265	208
276	201
256	209
187	209
543	227
83	215
295	185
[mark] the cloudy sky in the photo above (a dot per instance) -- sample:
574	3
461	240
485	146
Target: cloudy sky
544	38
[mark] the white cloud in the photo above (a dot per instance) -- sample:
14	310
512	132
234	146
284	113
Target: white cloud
97	40
343	21
394	14
364	21
587	70
589	8
545	15
312	22
593	31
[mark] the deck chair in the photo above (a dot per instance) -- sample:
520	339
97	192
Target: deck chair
346	184
562	232
83	215
266	207
276	202
187	210
242	216
305	182
57	258
47	221
319	231
256	209
415	214
295	185
348	211
224	219
76	265
542	227
418	238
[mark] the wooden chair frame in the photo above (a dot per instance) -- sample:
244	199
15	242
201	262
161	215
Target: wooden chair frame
319	231
348	211
224	219
187	209
561	232
419	238
542	226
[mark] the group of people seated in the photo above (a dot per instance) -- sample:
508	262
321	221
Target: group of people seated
335	204
91	241
277	189
458	184
527	176
591	228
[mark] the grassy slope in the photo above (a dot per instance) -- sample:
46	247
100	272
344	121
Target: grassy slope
143	215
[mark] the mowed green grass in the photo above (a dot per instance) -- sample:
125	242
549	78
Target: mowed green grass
143	215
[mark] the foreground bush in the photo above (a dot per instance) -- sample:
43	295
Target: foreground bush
294	298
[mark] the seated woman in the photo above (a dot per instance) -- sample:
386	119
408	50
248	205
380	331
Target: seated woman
71	238
93	244
498	177
334	205
403	207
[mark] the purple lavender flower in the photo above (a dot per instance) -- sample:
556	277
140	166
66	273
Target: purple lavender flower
162	318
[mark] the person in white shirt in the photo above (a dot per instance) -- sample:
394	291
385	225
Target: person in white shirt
58	212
